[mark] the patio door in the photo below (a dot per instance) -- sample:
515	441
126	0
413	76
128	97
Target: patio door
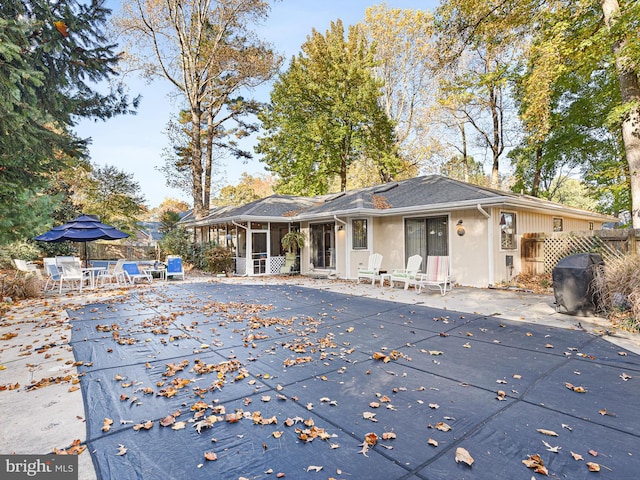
259	252
426	236
323	243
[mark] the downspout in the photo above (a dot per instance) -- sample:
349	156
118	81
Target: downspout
490	257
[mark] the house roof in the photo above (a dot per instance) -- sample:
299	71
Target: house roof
431	193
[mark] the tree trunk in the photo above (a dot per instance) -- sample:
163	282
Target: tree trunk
199	210
537	173
630	93
206	198
465	155
497	139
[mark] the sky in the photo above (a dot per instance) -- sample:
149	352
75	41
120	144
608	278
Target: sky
134	143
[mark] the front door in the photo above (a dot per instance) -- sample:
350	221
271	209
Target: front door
259	252
323	242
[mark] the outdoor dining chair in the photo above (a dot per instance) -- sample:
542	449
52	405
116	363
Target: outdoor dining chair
53	276
72	273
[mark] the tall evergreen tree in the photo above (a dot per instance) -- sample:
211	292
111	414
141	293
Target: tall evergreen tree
51	55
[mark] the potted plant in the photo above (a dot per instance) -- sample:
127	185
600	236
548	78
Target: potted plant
293	242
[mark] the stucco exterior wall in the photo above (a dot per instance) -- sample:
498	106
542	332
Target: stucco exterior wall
469	253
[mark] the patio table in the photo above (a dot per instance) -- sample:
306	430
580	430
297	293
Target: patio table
93	272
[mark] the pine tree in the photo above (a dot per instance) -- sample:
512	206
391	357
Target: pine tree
52	53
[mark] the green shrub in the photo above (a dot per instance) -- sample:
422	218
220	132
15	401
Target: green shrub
22	250
219	260
176	242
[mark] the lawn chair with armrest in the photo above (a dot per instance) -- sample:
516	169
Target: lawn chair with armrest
26	268
132	273
436	276
407	275
372	270
174	267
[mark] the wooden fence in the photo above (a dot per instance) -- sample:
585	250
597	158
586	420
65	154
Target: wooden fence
107	251
542	251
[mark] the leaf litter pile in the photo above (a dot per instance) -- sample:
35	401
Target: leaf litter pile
236	383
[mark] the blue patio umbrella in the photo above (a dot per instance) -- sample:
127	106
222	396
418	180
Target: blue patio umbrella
85	228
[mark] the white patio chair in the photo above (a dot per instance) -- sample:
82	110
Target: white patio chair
26	268
372	270
72	273
407	275
111	274
436	276
53	275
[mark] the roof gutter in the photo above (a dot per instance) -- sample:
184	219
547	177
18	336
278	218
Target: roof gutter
335	217
483	211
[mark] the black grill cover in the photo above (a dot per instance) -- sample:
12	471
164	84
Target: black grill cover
572	284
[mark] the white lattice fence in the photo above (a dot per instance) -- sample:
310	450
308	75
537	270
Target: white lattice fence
276	264
608	244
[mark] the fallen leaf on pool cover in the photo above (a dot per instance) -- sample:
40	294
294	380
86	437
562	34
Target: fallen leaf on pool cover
388	436
432	442
574	388
211	456
369	416
535	463
121	450
593	467
550	448
168	420
462	455
576	456
106	424
593	453
147	425
443	427
314	468
76	448
371	439
177	426
551	433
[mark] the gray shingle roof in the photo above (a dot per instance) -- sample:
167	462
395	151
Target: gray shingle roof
431	192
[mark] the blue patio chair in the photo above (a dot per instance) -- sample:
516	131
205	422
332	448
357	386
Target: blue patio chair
53	276
174	267
132	273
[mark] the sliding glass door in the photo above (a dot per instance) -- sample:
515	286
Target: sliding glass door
323	251
426	236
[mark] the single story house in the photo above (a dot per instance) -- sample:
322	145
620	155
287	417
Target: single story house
478	228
